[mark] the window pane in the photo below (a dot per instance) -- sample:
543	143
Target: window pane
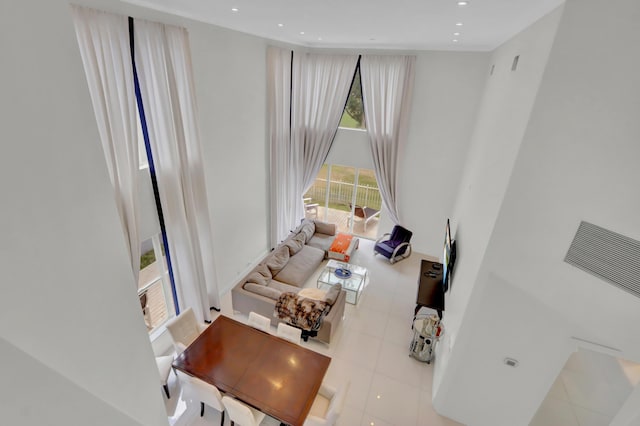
353	115
369	199
154	305
339	184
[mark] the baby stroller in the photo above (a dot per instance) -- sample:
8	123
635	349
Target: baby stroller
426	332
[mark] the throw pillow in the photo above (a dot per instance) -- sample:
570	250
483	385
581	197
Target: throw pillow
263	270
262	290
313	293
325	228
308	229
278	260
332	294
295	244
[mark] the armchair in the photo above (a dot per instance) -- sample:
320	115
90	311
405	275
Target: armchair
365	214
394	246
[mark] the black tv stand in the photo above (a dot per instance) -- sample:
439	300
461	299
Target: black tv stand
430	288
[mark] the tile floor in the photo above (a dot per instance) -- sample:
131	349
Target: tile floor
387	387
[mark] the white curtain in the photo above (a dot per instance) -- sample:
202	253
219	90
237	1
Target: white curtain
164	69
104	46
387	83
281	184
320	87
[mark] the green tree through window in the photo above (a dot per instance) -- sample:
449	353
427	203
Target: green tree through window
353	115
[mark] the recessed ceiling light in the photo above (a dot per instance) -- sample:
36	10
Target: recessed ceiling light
458	24
463	3
319	38
301	32
281	25
456	34
235	9
455	40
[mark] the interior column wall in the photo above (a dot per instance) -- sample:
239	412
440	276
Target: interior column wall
577	161
507	102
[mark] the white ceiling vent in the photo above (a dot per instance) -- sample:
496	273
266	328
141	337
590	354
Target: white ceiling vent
607	255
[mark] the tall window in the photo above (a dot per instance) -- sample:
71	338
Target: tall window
154	284
348	197
353	115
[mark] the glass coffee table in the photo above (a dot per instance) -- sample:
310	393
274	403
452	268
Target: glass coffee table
350	276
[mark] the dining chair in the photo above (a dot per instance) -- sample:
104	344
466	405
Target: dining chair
164	368
204	392
184	329
260	322
327	405
241	413
289	333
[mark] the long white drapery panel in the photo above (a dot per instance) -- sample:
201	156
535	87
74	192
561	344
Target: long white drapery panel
166	83
103	39
387	83
320	87
282	186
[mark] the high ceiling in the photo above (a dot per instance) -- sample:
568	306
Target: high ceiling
375	24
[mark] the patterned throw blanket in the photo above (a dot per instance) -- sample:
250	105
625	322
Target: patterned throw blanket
341	244
300	312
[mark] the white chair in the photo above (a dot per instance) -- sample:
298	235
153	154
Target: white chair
241	413
327	406
164	368
260	322
204	392
184	329
289	333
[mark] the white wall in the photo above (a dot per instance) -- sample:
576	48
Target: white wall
68	295
447	93
577	161
230	77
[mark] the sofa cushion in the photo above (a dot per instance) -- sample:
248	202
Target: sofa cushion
263	290
332	294
321	241
277	260
282	287
300	266
295	243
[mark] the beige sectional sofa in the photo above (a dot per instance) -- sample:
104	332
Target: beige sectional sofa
286	269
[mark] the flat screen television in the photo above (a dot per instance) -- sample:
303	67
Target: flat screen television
448	257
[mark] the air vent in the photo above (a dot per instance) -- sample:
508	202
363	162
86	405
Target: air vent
607	255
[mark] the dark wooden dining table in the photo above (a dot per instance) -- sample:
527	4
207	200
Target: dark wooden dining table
273	375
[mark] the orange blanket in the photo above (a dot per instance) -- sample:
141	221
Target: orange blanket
341	244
